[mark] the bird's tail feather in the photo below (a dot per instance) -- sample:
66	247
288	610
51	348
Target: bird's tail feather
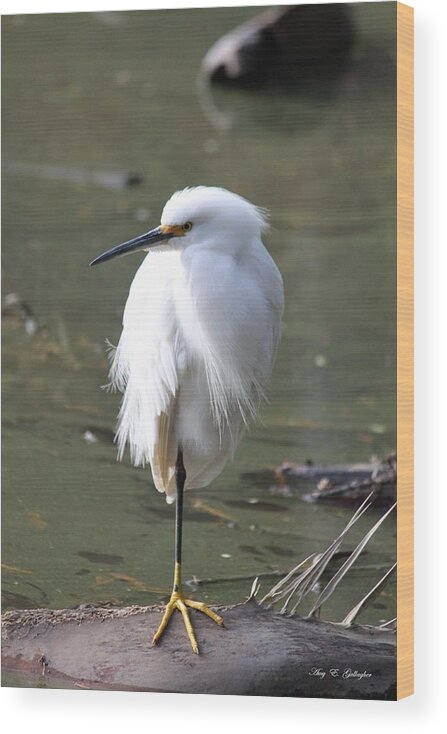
164	456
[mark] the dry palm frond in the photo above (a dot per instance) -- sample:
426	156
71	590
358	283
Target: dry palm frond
300	581
390	625
342	571
299	587
281	589
368	599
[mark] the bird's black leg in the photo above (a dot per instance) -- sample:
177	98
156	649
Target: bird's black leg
180	478
177	600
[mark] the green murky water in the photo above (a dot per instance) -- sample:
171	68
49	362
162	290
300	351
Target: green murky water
116	92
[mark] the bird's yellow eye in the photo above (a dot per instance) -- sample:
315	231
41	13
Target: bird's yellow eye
187	226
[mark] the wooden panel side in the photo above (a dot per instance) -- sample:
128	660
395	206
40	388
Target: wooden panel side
405	353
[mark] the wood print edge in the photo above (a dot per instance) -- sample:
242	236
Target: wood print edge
405	351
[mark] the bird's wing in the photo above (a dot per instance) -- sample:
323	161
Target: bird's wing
273	290
239	306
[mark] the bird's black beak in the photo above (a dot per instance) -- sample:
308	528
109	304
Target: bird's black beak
144	241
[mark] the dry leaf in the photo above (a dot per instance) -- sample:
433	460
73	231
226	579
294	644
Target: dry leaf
36	520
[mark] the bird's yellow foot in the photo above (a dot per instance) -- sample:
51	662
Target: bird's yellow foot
178	601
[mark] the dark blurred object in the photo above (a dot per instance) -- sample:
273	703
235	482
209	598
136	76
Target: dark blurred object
345	484
348	481
107	179
288	46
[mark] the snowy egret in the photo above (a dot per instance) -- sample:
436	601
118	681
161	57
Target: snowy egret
200	333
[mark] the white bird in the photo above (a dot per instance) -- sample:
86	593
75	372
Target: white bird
200	333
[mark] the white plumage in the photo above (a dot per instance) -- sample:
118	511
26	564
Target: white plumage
200	332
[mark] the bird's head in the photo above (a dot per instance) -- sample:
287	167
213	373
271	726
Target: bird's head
204	216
